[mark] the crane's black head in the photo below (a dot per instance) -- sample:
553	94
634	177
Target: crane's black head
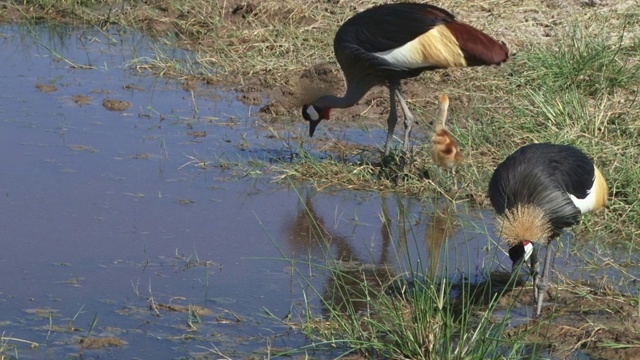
519	254
314	114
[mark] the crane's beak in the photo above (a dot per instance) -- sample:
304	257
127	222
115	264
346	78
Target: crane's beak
313	124
519	254
515	267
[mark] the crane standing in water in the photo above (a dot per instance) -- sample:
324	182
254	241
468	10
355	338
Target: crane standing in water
538	191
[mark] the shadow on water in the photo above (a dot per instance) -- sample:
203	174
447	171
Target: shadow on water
113	228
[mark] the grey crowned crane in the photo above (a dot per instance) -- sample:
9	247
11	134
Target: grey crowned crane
387	43
538	191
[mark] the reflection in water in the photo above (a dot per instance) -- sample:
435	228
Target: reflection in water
415	244
386	227
308	235
352	286
355	277
439	229
352	281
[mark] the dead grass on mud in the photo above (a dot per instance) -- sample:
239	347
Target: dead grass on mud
601	323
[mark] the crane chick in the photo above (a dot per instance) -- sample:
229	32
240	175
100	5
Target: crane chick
444	150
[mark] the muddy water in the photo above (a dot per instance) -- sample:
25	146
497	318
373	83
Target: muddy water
110	229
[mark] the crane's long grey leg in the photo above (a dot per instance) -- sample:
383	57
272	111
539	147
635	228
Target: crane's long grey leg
393	117
543	285
408	120
455	180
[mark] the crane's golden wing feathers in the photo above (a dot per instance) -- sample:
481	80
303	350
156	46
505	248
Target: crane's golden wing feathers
438	48
601	190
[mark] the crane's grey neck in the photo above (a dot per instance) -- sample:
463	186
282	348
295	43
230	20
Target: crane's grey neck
355	91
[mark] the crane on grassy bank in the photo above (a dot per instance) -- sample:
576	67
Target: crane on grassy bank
388	43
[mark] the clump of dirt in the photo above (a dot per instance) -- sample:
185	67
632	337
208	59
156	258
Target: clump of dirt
250	98
100	342
140	156
46	88
201	311
190	84
197	134
133	87
81	99
79	147
101	91
116	105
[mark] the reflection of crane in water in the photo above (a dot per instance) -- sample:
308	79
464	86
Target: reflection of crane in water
351	282
439	230
308	234
439	224
354	279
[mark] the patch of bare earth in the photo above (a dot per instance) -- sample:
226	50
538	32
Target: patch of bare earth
81	99
600	324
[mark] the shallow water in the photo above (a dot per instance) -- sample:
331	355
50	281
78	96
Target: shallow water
105	213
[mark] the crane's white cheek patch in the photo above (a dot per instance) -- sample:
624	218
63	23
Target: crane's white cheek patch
313	114
528	250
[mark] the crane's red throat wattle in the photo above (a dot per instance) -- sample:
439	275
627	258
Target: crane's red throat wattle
315	113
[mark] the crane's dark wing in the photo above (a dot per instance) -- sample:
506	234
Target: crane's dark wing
569	167
383	28
544	175
389	26
361	41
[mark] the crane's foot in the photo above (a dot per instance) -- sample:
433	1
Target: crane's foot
541	288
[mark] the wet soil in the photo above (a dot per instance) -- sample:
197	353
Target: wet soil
581	319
